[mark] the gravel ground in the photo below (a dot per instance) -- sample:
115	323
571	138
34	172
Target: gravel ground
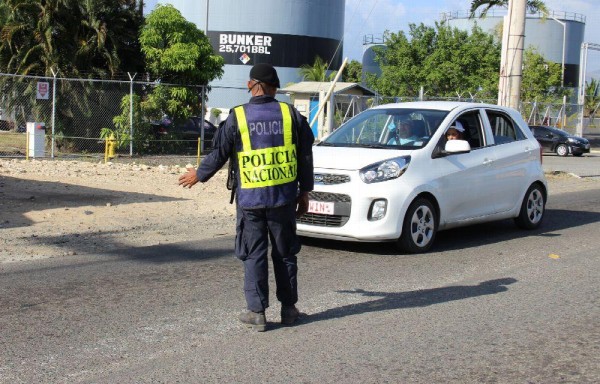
60	208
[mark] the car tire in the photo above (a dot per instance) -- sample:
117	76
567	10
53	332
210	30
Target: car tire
562	150
419	227
532	208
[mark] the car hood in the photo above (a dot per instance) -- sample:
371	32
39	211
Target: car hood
351	159
580	139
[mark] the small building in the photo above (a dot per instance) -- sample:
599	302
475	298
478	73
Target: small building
348	99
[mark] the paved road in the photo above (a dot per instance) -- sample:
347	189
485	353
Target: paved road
489	304
586	166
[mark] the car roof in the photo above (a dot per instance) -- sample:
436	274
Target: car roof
438	105
548	127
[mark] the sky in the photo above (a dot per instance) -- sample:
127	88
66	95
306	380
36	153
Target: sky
374	17
364	17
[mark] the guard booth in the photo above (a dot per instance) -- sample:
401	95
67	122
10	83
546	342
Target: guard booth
307	95
36	139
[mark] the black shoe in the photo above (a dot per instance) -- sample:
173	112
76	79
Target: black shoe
255	320
289	314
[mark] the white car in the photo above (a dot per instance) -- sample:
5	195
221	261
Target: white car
389	174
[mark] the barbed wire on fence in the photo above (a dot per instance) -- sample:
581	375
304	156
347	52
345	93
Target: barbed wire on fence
80	115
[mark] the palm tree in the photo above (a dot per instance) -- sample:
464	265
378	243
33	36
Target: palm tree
74	38
77	38
512	50
317	71
96	49
592	97
532	6
3	14
27	40
140	7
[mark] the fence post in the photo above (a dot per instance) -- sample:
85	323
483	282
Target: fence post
53	111
131	113
203	114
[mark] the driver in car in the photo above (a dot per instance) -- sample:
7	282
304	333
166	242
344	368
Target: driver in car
404	134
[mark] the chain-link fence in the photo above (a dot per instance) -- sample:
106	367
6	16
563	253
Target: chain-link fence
346	106
563	115
103	119
91	118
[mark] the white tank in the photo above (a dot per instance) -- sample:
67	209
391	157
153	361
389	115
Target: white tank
546	35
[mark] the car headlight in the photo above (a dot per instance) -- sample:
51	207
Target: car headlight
572	140
384	170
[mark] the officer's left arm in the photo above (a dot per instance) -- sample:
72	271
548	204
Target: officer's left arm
305	159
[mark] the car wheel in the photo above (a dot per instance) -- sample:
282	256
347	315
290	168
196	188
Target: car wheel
419	227
562	150
532	208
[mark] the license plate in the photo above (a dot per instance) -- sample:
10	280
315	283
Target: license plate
321	207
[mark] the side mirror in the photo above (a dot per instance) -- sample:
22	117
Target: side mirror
452	147
457	146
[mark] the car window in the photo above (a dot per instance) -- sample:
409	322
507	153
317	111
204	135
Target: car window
558	132
503	128
471	122
540	131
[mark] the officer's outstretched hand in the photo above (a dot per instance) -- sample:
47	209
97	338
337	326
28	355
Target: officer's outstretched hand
301	204
188	179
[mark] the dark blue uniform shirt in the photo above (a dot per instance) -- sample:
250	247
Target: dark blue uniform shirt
227	141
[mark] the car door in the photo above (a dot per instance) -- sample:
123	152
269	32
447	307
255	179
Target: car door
514	153
545	138
466	183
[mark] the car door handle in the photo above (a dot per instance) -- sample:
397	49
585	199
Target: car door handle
488	161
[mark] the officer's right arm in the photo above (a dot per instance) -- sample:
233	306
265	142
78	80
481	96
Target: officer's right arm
224	146
301	204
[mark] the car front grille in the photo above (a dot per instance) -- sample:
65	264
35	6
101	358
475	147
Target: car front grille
320	220
329	197
342	207
331	179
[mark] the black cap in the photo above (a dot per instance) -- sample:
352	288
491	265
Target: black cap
265	73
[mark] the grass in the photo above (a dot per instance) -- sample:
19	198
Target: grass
11	142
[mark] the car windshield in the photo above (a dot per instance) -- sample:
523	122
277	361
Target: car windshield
559	132
388	128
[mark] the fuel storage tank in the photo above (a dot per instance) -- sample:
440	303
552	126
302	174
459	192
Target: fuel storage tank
371	43
557	37
284	33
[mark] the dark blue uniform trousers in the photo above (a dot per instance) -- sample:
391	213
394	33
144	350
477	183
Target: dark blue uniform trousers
254	229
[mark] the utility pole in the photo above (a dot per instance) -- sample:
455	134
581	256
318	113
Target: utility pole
564	44
509	87
581	90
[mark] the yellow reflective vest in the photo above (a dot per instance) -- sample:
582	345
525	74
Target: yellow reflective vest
270	166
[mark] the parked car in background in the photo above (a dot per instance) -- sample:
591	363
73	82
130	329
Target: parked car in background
188	131
389	174
560	142
6	125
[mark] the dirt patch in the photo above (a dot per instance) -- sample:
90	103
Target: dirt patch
61	208
58	208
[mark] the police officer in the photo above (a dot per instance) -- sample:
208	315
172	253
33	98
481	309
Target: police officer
269	145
